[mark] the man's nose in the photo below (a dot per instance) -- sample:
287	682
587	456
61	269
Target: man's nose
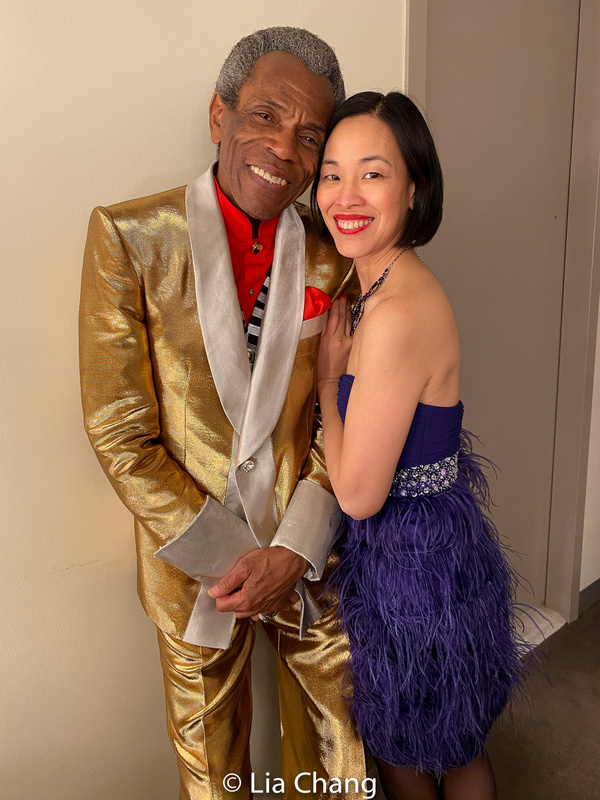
283	142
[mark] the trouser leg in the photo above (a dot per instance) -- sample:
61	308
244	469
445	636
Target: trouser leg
209	713
318	735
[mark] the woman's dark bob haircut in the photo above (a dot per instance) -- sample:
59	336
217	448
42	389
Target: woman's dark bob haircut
418	151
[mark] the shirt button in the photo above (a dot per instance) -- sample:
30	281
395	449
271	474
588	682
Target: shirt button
248	466
257	247
251	292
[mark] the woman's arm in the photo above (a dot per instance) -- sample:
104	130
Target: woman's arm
401	346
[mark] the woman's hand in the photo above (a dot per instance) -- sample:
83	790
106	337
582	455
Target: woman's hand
336	343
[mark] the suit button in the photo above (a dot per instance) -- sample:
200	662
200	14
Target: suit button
248	466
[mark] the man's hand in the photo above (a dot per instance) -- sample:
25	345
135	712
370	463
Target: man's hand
261	582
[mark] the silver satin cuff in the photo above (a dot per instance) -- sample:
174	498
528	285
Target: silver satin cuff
206	626
309	611
305	527
211	545
206	550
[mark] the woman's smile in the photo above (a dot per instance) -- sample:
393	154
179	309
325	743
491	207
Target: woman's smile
352	223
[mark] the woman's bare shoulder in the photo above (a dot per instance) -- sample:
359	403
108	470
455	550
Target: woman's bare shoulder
416	300
412	324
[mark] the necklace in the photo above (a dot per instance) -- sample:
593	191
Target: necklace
359	306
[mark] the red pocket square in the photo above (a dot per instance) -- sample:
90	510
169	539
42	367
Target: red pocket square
316	302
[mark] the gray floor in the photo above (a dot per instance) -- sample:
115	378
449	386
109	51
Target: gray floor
551	748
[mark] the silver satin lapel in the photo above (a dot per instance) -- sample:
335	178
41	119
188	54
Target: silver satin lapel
216	296
252	402
233	501
279	335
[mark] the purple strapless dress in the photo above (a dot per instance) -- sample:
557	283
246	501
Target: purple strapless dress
426	597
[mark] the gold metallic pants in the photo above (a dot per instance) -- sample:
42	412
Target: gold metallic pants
209	711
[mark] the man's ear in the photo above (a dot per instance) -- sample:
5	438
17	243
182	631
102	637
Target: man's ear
215	114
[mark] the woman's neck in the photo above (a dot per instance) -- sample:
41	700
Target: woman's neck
371	268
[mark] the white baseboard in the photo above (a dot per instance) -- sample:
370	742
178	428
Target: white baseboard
539	623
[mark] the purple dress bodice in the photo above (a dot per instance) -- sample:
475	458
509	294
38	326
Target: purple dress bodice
434	432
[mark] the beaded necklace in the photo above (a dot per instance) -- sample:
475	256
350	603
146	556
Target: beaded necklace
359	306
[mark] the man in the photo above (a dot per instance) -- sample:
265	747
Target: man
200	320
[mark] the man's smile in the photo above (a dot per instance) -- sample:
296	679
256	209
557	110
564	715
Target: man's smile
266	176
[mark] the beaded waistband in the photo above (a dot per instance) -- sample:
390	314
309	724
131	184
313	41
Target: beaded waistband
425	479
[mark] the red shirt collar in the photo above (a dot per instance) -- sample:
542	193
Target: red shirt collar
237	223
251	256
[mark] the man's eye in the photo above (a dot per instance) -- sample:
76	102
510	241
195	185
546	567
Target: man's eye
263	115
311	140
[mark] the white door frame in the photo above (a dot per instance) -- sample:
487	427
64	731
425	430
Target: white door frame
578	329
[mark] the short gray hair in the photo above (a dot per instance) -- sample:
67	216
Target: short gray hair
316	54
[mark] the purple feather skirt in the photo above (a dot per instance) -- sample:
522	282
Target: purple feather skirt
426	597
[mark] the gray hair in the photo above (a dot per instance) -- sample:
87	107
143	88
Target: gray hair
316	54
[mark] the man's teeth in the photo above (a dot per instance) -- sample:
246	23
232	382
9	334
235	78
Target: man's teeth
269	178
347	225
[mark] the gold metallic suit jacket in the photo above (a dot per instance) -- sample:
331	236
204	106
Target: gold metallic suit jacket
213	461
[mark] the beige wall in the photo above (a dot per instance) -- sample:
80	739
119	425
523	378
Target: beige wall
100	102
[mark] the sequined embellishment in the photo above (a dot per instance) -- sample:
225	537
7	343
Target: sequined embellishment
425	478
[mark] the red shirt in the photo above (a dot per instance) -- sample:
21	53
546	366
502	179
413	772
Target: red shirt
251	257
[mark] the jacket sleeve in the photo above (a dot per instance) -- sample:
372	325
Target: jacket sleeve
309	524
121	411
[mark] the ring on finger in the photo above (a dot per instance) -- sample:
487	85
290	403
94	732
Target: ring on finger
266	617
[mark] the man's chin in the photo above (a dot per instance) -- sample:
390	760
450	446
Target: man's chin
260	206
263	211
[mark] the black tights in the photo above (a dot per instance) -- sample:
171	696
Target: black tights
473	782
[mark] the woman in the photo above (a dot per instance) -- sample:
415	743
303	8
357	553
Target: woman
425	591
